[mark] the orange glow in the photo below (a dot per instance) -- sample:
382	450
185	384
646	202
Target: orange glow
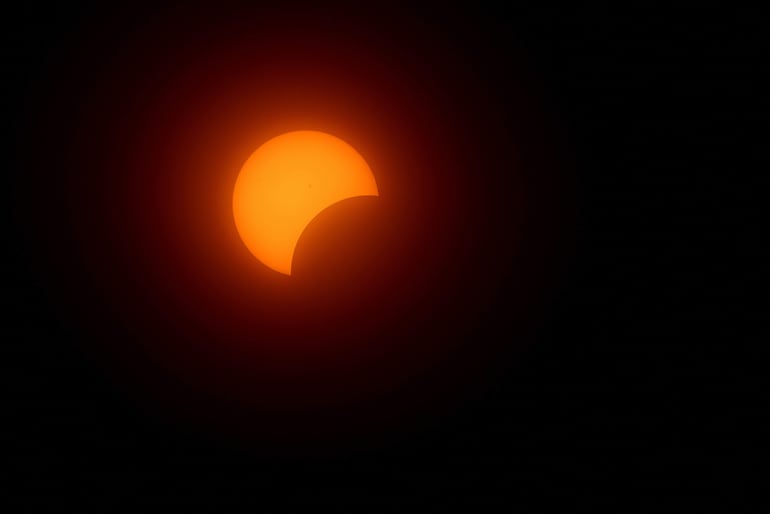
286	182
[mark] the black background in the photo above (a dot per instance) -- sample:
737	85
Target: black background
636	390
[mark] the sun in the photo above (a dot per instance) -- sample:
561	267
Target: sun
286	182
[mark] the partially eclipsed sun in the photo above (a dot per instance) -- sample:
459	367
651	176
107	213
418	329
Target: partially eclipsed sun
286	182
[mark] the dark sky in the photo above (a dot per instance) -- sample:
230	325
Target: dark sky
588	330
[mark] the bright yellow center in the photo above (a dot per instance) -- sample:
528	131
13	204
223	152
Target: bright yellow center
286	182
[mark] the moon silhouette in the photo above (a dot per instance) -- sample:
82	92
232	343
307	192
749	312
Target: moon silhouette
286	183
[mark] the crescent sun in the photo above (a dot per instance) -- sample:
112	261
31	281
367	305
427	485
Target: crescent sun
286	183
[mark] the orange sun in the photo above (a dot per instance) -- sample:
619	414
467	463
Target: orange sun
286	182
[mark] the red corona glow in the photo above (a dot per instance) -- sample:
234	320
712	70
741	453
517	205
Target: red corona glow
388	294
